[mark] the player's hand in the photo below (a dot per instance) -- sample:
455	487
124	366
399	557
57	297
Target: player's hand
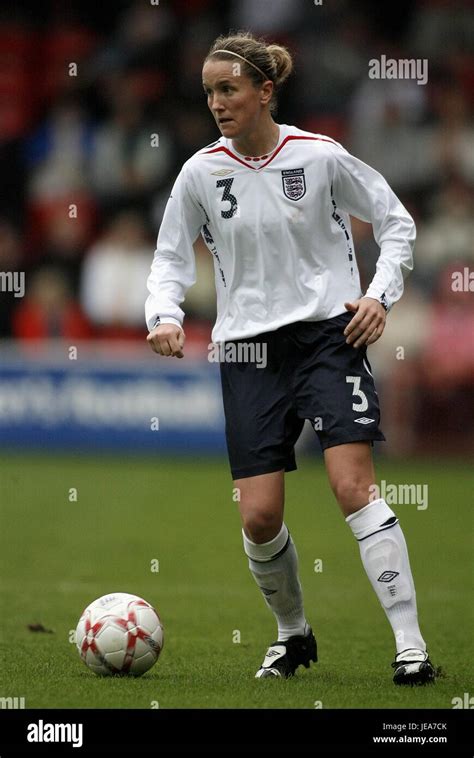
368	323
167	339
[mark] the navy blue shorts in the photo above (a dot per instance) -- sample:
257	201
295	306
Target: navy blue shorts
301	371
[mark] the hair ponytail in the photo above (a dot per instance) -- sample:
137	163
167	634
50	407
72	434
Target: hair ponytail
283	63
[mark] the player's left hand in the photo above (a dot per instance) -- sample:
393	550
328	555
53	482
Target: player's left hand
368	323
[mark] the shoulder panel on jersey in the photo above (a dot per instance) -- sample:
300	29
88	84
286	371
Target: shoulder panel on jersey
202	151
212	144
296	132
312	137
300	137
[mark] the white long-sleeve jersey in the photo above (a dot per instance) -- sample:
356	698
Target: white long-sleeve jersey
279	231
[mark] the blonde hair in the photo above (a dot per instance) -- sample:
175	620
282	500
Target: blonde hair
273	62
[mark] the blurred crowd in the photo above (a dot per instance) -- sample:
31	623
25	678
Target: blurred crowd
100	106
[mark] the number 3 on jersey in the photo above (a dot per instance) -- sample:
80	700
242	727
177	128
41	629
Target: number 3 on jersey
227	196
362	403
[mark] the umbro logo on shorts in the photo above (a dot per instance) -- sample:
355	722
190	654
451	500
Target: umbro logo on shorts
364	420
387	576
266	591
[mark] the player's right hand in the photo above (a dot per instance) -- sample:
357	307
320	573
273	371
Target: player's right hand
167	339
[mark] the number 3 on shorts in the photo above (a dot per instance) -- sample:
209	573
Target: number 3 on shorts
363	404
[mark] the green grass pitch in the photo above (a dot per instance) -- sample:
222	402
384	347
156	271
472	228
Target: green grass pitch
59	554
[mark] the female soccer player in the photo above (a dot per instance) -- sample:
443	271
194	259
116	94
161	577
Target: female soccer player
272	203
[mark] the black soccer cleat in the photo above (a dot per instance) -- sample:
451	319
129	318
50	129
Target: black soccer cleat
283	657
413	667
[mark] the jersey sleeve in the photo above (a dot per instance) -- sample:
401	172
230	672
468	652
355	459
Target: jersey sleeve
173	270
364	193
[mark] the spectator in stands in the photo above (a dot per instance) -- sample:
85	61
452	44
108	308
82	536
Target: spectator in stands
448	357
131	156
339	55
49	310
395	359
192	129
58	152
267	17
440	28
428	371
446	372
64	243
392	111
447	233
115	271
144	33
454	132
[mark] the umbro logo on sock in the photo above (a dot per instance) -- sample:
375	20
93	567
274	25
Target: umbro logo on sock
271	653
387	576
266	591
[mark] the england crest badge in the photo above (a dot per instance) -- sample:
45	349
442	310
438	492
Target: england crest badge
294	183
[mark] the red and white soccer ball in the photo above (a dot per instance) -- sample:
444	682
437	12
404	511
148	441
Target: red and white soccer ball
119	634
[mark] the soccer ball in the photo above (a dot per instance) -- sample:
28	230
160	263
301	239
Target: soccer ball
119	634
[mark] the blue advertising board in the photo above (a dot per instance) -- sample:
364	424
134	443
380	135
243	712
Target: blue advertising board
108	398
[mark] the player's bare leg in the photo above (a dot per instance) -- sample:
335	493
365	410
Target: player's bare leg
261	505
273	562
384	555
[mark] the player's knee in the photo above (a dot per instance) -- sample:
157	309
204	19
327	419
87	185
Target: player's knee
261	525
352	493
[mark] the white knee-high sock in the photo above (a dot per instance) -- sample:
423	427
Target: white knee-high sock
274	566
385	557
